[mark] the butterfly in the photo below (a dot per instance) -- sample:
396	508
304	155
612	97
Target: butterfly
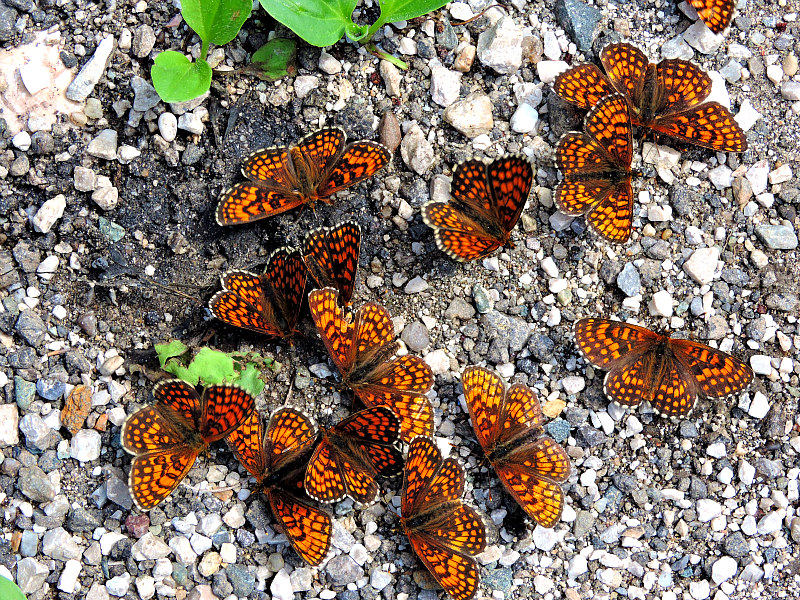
278	461
445	533
268	303
667	372
352	453
508	424
487	200
716	14
331	255
363	348
168	436
597	170
666	97
283	178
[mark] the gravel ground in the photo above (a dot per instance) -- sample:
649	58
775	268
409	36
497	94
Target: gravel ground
109	245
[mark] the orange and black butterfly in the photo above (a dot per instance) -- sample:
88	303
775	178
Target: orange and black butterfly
268	303
667	97
352	453
667	372
331	255
312	170
509	426
716	14
363	348
487	200
168	436
278	461
597	170
445	533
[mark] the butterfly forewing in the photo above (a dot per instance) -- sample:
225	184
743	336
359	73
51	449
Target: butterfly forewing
612	217
610	125
626	67
331	255
180	398
268	165
540	497
680	85
308	528
285	277
155	475
147	430
709	125
225	407
249	202
484	391
246	442
360	161
510	179
320	151
607	344
717	373
716	14
583	85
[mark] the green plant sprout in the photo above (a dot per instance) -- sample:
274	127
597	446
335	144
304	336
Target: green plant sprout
275	59
9	590
209	367
325	22
174	76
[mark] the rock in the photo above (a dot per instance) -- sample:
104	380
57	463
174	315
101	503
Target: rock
416	150
145	96
106	198
58	544
391	78
343	570
281	587
31	574
49	212
104	145
438	361
305	84
702	264
723	569
35	484
92	71
390	133
144	38
9	423
579	20
790	90
525	119
771	523
699	590
30	327
471	116
84	179
459	309
465	59
38	434
168	126
629	281
573	384
416	285
777	237
702	39
328	64
660	304
708	509
416	336
191	122
548	70
149	547
85	445
445	85
500	46
119	585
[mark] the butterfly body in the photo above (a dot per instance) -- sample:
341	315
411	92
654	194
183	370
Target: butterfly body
331	256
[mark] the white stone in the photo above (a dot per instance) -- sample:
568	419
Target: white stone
227	553
548	70
438	361
328	64
759	407
702	264
708	509
416	285
127	154
104	145
92	71
9	425
761	364
500	46
771	522
281	586
445	85
721	177
472	116
106	198
659	213
781	175
183	549
35	76
700	590
716	450
119	585
552	49
85	445
304	85
573	384
774	73
68	582
747	115
379	579
577	566
542	584
107	541
660	304
49	212
723	569
545	539
758	176
416	151
22	141
191	122
549	266
145	587
525	119
702	39
746	473
168	126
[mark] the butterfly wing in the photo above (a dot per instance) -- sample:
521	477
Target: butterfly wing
718	374
248	202
308	528
376	431
179	398
612	216
320	151
709	125
456	573
359	161
510	180
285	276
336	331
155	475
679	85
290	434
460	237
331	255
716	14
225	407
484	392
608	344
627	68
269	165
147	430
539	497
242	303
610	124
324	479
583	85
246	442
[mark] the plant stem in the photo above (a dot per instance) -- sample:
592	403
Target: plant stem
373	49
204	50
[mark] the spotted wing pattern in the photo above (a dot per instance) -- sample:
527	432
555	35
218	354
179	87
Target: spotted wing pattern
716	14
669	373
280	179
487	201
308	527
363	350
596	166
444	532
583	85
168	436
352	454
331	256
268	304
508	425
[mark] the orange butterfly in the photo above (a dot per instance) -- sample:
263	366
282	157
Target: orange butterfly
666	97
312	170
487	201
331	255
667	372
597	170
363	348
352	453
508	424
716	14
278	461
445	533
168	436
268	303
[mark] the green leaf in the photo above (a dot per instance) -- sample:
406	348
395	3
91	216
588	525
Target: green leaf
177	79
404	10
9	590
181	372
250	380
216	21
275	57
212	366
169	350
318	22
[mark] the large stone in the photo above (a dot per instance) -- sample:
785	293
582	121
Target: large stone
49	212
145	95
416	150
31	575
104	145
702	264
500	46
472	116
777	237
579	20
92	71
58	544
9	425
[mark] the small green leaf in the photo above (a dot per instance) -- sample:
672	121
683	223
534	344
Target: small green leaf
181	372
177	79
404	10
212	366
357	32
9	590
318	22
216	21
169	350
275	57
250	380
